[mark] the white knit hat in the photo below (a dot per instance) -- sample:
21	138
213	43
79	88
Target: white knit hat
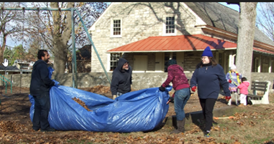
233	67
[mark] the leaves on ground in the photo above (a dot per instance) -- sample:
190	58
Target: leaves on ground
16	126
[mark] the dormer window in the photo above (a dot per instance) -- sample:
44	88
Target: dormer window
116	28
169	28
170	25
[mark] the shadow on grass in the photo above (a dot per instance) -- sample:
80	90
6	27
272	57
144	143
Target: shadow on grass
196	118
159	126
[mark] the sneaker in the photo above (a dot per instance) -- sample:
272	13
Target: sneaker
207	134
48	129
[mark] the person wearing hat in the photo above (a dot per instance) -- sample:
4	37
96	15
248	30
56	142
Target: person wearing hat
179	80
234	79
207	77
121	79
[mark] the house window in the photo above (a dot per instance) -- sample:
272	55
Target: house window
116	27
114	58
170	25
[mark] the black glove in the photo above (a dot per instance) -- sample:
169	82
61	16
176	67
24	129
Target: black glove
162	88
171	99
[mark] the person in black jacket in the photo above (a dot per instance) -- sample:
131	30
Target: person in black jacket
121	78
39	88
208	76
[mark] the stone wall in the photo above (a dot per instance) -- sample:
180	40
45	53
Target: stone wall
139	80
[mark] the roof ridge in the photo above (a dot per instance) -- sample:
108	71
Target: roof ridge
228	7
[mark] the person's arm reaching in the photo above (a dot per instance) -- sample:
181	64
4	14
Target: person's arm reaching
168	80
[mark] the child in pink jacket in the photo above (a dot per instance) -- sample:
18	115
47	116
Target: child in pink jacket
243	90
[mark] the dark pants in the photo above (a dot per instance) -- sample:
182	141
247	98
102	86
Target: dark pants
41	111
207	106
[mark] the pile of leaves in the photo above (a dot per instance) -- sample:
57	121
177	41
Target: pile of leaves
100	89
81	103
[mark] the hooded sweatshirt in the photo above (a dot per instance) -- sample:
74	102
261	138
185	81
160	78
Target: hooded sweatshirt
121	79
177	76
40	81
244	87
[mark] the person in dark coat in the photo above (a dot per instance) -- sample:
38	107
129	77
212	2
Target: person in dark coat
179	80
208	77
39	88
121	78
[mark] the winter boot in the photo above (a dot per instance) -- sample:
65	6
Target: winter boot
181	127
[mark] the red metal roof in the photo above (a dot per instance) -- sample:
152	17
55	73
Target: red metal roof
196	42
175	43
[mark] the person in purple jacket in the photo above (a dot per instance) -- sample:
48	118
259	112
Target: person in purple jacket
178	78
234	79
207	77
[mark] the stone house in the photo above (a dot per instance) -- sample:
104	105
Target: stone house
148	34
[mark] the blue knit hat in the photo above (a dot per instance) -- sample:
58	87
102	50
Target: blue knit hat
207	52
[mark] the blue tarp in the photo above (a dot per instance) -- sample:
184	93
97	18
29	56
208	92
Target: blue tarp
140	110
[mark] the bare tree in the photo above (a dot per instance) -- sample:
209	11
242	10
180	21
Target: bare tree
53	28
245	39
8	25
266	20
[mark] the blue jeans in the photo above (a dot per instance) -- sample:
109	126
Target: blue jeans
180	98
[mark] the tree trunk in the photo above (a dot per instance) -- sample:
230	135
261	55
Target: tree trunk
60	39
2	49
2	55
246	30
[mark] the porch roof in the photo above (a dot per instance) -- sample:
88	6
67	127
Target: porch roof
196	42
263	51
179	43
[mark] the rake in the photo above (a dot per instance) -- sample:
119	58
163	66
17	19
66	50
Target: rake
230	117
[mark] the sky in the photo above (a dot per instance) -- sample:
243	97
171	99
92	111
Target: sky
233	6
236	7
